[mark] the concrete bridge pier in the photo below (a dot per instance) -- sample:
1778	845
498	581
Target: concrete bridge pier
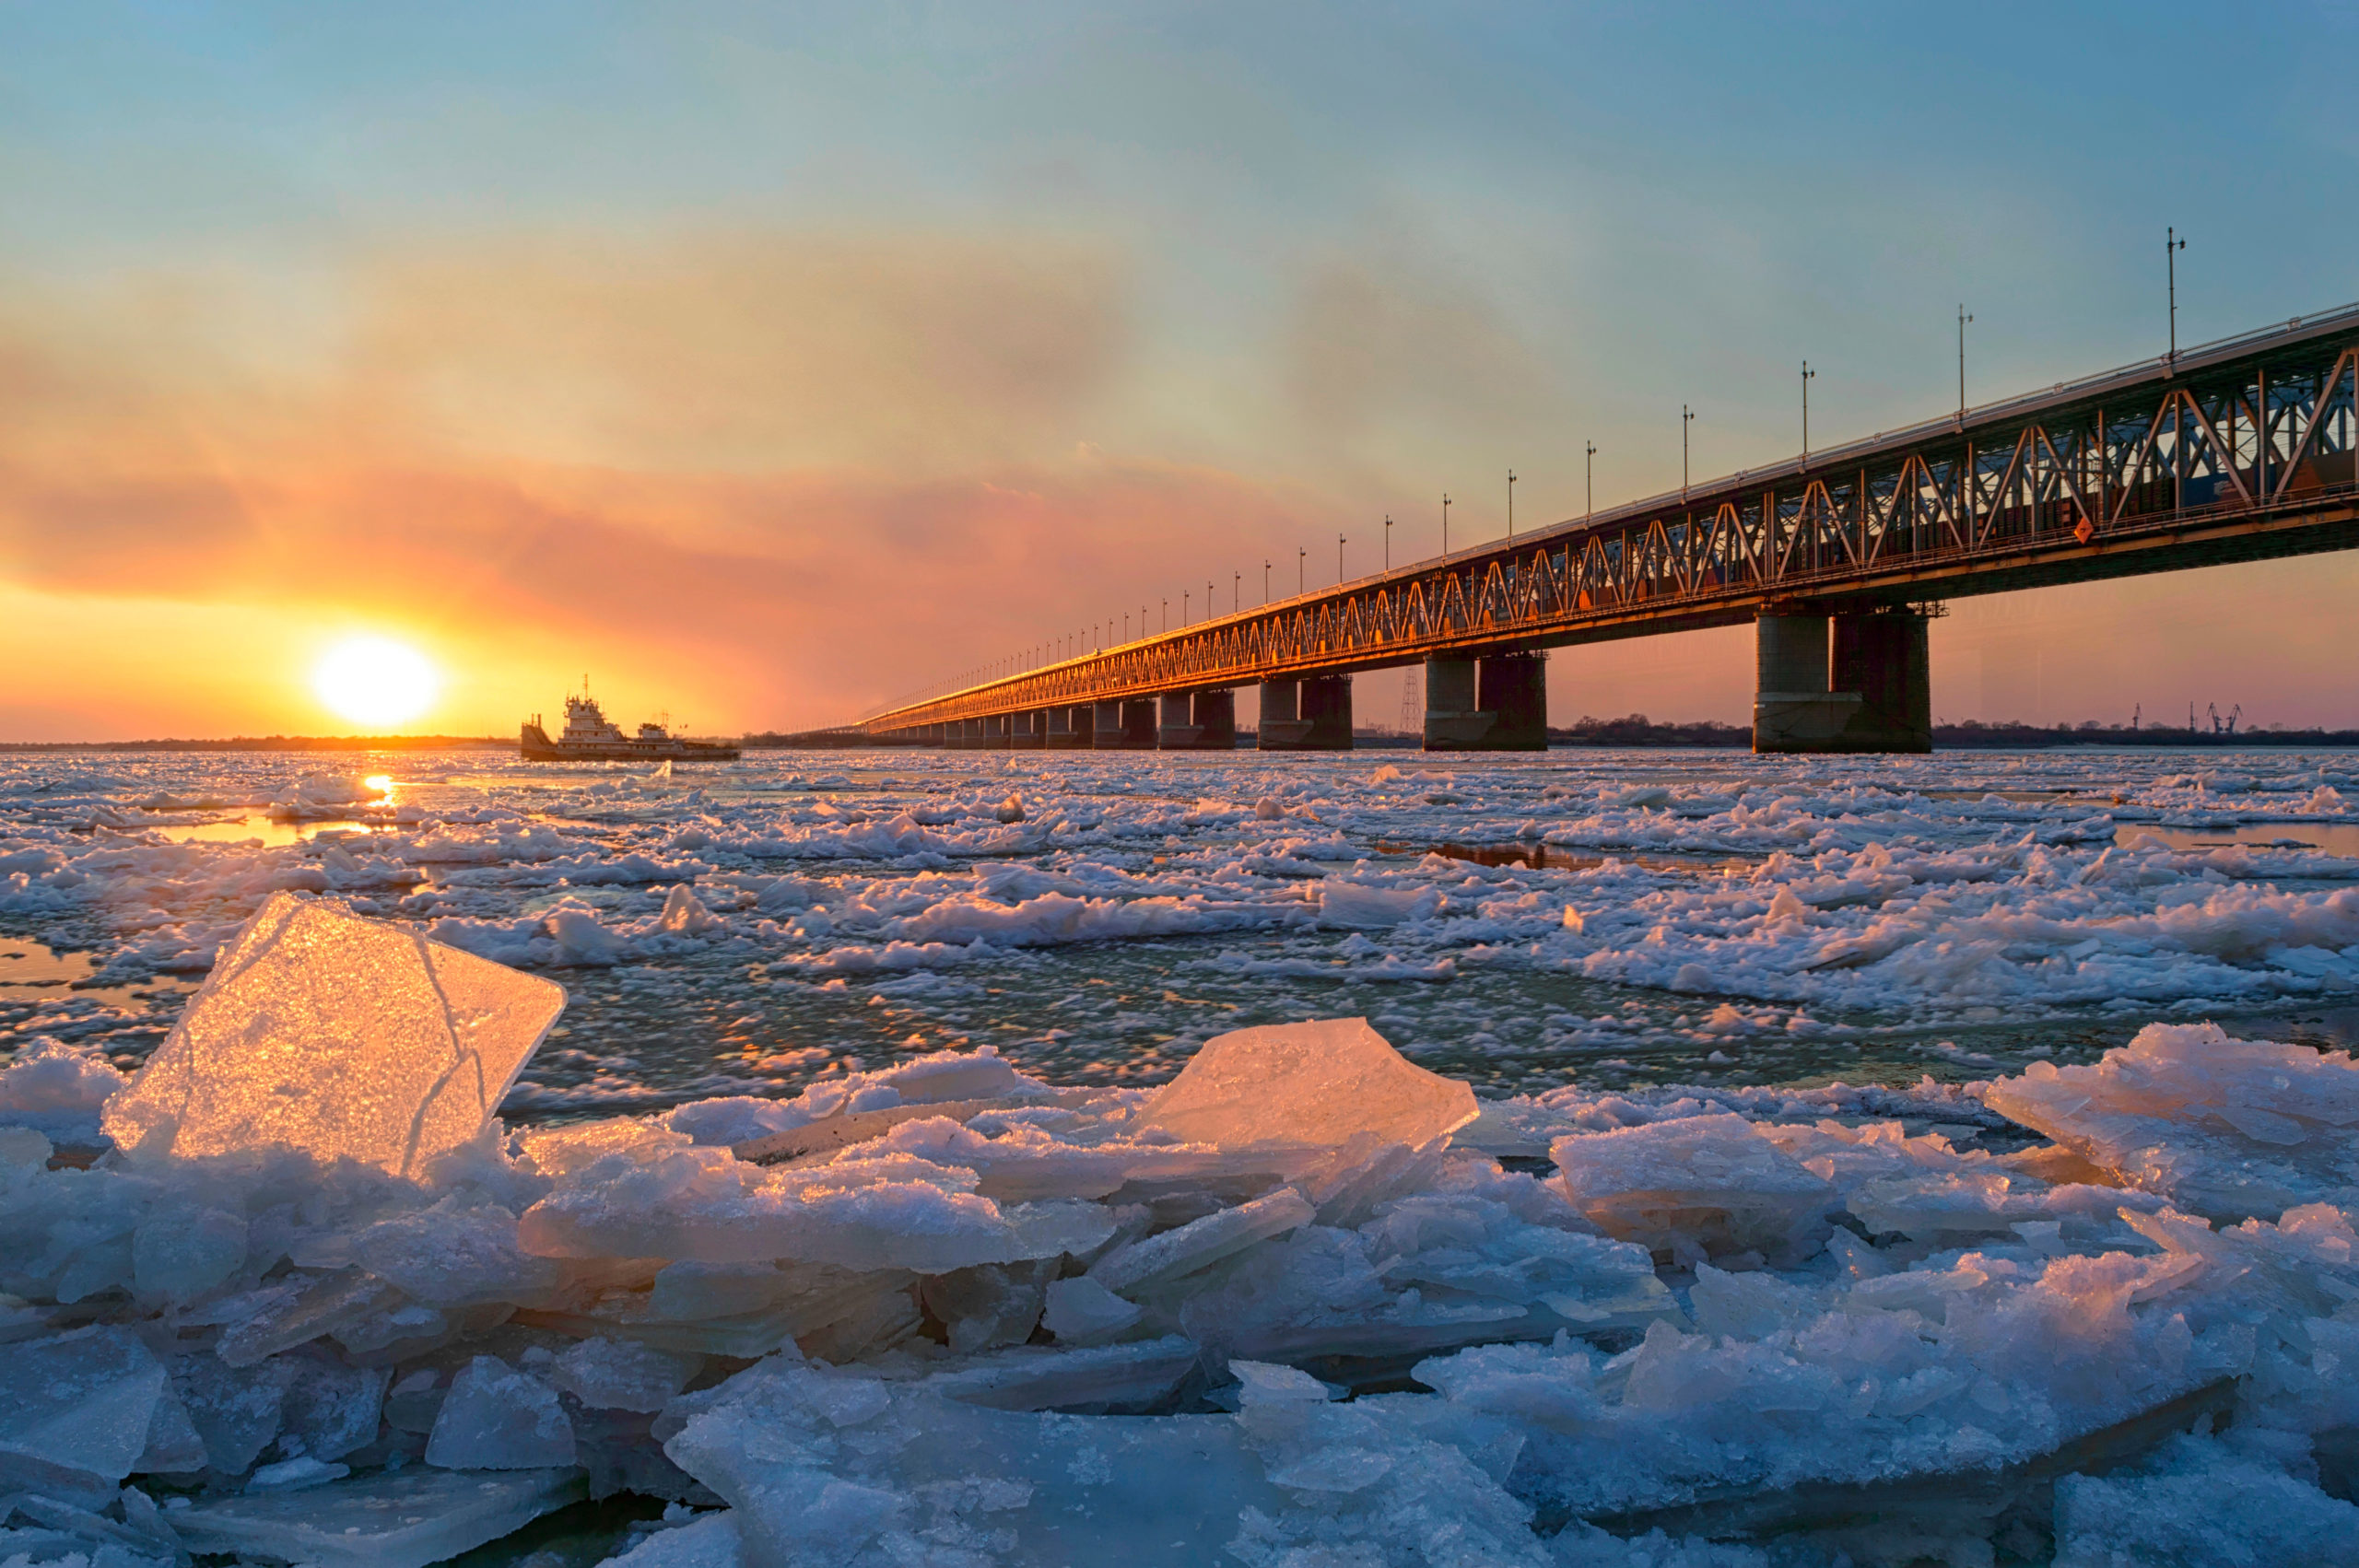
1071	727
1498	704
1198	721
1125	726
1855	681
1310	714
996	733
1028	731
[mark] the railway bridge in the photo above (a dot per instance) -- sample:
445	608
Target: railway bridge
2236	450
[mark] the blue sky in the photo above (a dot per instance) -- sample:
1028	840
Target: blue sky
1326	262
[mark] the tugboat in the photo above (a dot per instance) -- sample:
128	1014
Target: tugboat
591	737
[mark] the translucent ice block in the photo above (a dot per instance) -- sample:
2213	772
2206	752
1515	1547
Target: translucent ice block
339	1037
404	1519
1699	1186
74	1412
1316	1082
2231	1129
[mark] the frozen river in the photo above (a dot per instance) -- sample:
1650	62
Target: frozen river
1617	919
1785	1162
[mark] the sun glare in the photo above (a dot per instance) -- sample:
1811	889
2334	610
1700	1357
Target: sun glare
375	682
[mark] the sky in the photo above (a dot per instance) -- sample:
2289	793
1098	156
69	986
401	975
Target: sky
768	363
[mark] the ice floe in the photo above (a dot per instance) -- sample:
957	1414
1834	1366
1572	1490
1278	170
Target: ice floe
1308	1304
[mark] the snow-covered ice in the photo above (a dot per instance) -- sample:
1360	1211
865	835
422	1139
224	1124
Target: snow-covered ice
1736	1161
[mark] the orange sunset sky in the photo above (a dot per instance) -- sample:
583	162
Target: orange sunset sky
768	363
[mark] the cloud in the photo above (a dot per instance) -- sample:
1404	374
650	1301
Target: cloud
1400	342
768	484
748	352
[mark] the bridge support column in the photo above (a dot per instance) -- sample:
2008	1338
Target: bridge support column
1311	715
995	736
1069	727
1123	726
1028	731
1885	656
1874	695
1500	704
1198	721
1214	714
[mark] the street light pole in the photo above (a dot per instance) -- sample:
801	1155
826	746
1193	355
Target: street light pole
1445	525
1963	317
2172	246
1301	570
1166	613
1588	478
1265	581
1687	417
1387	541
1809	376
1510	503
1339	560
1236	591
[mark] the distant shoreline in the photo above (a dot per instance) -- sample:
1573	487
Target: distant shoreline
278	744
1635	732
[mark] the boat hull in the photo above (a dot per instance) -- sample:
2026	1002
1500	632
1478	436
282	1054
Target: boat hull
553	752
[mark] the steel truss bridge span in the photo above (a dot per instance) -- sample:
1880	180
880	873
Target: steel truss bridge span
2241	449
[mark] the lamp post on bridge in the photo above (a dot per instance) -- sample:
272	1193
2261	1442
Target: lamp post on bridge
1186	594
1809	376
1265	581
1208	599
1962	318
1339	560
1445	524
1301	570
1236	592
1387	541
1588	479
1510	503
1687	417
1166	613
2172	246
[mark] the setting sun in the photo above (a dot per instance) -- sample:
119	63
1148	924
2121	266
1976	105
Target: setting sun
375	682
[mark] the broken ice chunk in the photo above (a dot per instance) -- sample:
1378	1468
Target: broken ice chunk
496	1418
704	1205
448	1257
404	1519
331	1408
2230	1129
1042	1377
1316	1082
183	1251
989	1306
235	1410
1200	1243
74	1413
615	1375
1081	1311
339	1037
1696	1187
708	1540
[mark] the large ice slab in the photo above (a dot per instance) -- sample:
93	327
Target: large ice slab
1319	1083
402	1520
339	1037
2231	1129
1698	1187
74	1412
